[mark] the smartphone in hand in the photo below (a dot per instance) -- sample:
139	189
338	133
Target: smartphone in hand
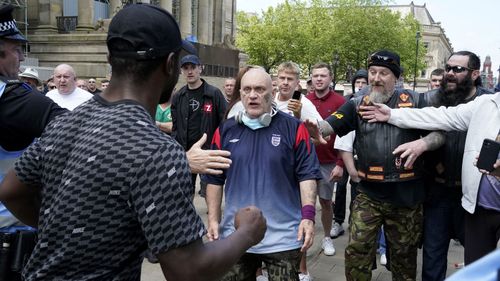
296	95
488	155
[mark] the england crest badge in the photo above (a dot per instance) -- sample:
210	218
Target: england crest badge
276	140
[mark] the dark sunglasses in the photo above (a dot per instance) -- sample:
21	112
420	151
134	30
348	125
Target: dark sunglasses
456	69
383	59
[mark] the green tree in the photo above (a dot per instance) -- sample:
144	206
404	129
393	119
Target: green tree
310	31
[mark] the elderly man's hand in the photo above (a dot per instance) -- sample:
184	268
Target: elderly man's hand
306	233
207	161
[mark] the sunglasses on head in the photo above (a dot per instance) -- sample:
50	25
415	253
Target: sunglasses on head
384	59
456	68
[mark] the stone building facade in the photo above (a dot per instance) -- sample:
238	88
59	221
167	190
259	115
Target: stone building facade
74	32
432	37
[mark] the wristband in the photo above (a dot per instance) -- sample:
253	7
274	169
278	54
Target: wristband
308	212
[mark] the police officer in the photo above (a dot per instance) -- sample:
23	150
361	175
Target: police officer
24	112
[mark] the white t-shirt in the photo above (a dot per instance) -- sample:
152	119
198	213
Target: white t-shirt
346	142
69	101
237	107
308	110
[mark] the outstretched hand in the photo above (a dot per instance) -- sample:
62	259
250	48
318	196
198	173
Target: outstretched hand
207	161
378	112
314	132
411	151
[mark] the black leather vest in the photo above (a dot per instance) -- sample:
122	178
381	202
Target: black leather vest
375	143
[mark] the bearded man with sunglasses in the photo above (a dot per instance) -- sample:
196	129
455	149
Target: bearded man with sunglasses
443	214
391	189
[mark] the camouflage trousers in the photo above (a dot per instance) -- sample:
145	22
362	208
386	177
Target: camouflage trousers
403	231
281	266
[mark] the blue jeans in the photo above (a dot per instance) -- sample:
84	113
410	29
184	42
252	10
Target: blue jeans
443	220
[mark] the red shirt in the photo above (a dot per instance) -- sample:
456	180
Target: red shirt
327	105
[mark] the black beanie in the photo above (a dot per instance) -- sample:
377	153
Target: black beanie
386	59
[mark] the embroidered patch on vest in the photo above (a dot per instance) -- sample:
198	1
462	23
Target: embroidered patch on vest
376	169
366	100
406	175
404	98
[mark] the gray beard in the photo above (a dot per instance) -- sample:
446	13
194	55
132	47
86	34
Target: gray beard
377	97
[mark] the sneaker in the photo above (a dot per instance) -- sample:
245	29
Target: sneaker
383	259
337	230
327	246
305	277
261	278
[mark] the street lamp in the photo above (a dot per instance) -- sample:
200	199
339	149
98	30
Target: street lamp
417	37
335	63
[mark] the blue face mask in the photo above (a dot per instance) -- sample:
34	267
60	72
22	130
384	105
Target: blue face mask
253	124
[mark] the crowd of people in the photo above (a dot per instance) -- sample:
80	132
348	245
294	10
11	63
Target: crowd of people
103	177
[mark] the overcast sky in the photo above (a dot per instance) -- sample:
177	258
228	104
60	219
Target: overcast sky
470	25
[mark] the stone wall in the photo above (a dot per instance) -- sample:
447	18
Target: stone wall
87	53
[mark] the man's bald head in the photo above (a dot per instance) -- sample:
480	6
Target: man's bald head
65	79
256	92
260	74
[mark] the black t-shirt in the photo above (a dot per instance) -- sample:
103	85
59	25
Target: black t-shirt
404	194
24	113
195	113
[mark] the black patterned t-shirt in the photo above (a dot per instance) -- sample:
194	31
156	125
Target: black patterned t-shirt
112	185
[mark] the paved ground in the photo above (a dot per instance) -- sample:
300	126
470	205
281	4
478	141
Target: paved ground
322	268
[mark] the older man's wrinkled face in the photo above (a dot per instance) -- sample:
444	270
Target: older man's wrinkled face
382	82
65	79
256	92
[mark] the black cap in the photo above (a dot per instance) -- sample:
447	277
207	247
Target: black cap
8	28
386	59
151	31
190	59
